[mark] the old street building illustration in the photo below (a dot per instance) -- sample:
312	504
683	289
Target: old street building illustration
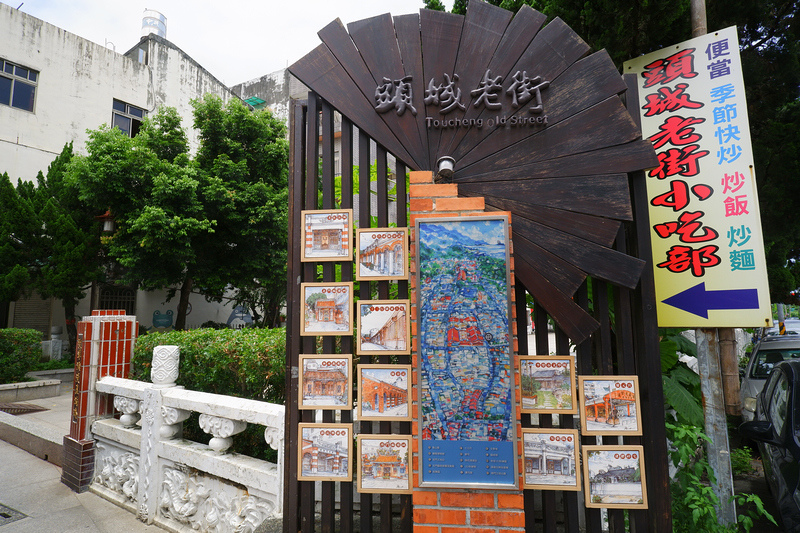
327	235
327	309
381	253
380	393
549	460
385	464
321	455
384	327
324	384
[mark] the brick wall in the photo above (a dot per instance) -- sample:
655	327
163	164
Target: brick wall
437	510
104	348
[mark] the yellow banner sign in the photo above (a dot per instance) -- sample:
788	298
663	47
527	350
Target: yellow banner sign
708	251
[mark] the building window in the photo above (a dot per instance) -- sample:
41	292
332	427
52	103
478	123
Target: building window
17	85
127	118
117	297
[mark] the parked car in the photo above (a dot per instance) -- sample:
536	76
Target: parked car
775	429
770	350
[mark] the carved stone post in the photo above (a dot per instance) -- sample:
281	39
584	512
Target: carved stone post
164	372
158	423
275	437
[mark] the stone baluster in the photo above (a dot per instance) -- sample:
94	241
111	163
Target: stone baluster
222	429
172	419
129	408
274	437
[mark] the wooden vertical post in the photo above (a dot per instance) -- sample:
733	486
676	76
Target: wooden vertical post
711	361
718	448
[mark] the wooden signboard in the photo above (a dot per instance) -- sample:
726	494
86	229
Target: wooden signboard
540	134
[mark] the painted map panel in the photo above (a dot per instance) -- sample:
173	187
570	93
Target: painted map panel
465	367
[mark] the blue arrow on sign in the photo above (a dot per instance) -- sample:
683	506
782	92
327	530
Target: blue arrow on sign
698	301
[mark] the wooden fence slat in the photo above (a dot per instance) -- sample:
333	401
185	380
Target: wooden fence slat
291	502
441	33
626	157
483	29
516	39
567	314
600	230
600	126
584	192
561	274
648	360
342	92
583	84
591	258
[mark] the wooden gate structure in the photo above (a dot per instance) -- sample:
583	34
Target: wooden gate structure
574	184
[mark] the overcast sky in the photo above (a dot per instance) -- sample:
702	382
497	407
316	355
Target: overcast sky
235	40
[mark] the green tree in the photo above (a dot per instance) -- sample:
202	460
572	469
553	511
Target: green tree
67	249
17	232
246	156
203	225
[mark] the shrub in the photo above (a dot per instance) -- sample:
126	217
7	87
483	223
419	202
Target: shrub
20	350
246	363
693	499
741	461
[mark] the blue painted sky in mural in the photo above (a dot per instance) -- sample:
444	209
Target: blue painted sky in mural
487	234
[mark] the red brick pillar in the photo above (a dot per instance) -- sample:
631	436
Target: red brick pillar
104	348
439	510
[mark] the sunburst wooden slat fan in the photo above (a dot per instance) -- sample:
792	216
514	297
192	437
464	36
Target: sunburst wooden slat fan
562	178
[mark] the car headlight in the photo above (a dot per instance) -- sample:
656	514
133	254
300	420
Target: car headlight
750	404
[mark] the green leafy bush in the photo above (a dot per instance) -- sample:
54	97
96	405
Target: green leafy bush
246	363
741	461
693	499
53	364
20	350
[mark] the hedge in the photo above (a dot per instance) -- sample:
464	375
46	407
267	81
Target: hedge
20	350
246	363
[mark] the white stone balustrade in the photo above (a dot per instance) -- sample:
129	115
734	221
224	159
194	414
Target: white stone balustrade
179	484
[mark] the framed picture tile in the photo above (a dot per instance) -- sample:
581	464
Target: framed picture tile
547	384
609	405
384	327
325	382
551	459
327	308
384	464
381	253
384	392
614	477
327	235
325	452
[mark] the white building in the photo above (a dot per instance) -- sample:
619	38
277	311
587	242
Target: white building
54	86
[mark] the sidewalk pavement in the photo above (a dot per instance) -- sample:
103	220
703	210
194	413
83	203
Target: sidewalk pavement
32	497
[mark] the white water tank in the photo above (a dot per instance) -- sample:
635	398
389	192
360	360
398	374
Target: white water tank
154	22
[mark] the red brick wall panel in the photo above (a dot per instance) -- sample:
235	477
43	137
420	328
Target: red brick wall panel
463	511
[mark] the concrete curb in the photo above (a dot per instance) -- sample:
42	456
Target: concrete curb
29	390
43	442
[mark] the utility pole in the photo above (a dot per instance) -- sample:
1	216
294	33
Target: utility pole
710	364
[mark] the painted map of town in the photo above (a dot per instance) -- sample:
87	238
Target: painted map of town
465	367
